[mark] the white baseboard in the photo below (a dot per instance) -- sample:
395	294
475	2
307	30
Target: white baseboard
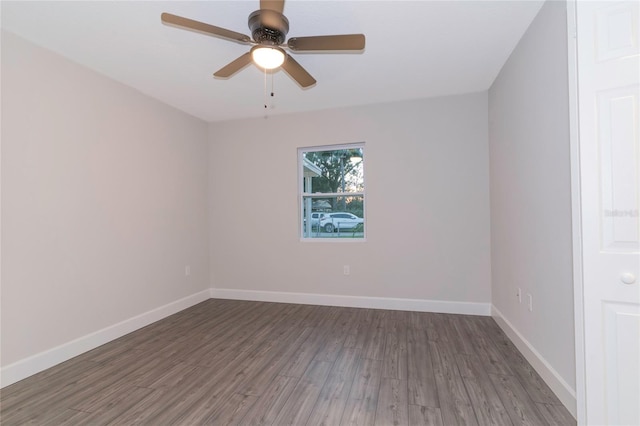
418	305
565	393
26	367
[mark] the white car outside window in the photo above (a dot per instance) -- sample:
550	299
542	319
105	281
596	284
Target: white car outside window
332	222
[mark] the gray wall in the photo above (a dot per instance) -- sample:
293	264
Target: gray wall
530	190
104	202
427	203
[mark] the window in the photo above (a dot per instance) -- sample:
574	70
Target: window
332	192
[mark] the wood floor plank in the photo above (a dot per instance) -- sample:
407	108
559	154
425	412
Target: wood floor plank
40	385
170	377
189	404
267	407
307	351
486	349
455	405
392	408
462	335
298	407
375	339
484	399
257	363
487	405
493	360
321	316
436	327
115	409
556	415
186	399
449	332
258	382
262	338
198	405
97	400
240	337
65	417
231	410
298	363
418	320
417	336
521	409
331	346
395	321
395	354
313	315
420	377
133	410
357	333
97	383
330	405
363	398
424	416
537	388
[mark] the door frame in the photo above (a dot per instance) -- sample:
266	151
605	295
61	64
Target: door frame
576	212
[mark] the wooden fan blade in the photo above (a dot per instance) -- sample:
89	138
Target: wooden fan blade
330	42
299	74
277	5
201	27
234	66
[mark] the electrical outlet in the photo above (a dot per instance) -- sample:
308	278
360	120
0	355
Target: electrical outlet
530	302
187	270
346	269
519	295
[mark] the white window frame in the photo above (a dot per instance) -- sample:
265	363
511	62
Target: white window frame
304	182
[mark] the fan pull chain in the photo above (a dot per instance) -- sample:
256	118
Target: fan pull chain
265	88
272	88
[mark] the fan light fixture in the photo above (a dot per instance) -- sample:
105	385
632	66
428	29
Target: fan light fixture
269	28
267	57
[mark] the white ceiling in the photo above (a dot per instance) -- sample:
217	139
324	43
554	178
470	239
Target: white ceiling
414	49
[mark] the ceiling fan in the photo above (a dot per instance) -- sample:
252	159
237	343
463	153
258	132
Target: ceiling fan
269	28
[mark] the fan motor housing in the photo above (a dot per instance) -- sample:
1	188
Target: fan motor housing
268	27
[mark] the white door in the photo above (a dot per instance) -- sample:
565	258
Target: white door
609	159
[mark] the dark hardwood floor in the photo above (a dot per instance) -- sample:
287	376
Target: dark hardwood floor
236	362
